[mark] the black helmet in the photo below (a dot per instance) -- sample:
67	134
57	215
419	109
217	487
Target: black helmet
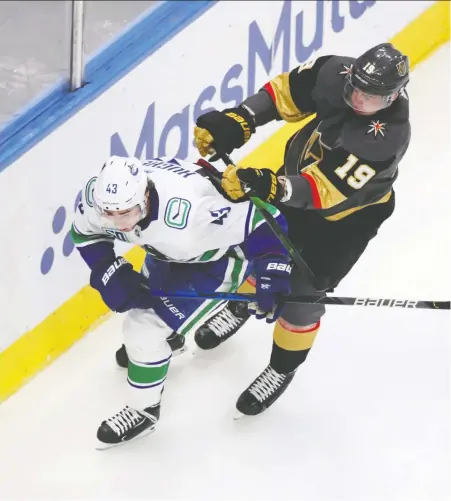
377	75
382	70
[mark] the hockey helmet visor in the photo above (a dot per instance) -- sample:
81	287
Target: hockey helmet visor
124	220
365	102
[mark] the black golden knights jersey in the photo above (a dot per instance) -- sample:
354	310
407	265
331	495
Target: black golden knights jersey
341	165
340	161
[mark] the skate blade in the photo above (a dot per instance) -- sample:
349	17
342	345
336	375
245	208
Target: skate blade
102	446
239	415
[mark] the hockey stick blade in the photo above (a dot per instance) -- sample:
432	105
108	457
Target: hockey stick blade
330	300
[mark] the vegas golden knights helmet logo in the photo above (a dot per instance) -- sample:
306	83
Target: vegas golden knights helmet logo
402	68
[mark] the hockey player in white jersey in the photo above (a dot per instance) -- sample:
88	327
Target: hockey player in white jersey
196	239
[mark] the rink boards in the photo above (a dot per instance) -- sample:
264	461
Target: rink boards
150	111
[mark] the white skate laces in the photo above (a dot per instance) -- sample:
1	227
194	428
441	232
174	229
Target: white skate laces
224	322
266	384
125	420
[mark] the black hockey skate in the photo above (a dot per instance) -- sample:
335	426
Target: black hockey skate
222	326
263	392
176	342
127	425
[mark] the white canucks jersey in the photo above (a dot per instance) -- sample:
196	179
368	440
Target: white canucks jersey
191	221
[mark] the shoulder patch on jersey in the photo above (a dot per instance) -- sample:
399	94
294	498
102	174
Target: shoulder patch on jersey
347	68
177	213
307	65
89	191
376	127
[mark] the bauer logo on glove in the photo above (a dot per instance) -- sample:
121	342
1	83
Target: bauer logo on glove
120	286
228	129
115	266
272	281
243	123
279	267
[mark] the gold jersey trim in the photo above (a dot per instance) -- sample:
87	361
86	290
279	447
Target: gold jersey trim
279	89
328	194
343	214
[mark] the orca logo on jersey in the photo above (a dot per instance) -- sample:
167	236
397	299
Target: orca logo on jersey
219	215
177	213
133	169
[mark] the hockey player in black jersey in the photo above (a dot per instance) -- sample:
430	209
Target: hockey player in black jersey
335	187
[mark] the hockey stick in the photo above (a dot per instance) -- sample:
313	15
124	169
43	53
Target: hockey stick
341	301
303	267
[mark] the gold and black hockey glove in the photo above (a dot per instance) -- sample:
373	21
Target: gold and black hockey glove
263	182
223	131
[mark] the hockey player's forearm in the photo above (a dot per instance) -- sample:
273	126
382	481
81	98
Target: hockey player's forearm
273	102
93	254
92	248
279	91
261	108
288	96
298	192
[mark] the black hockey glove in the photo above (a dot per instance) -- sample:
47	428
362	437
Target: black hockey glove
223	131
121	287
263	182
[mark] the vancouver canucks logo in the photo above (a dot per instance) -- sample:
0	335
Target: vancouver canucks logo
219	215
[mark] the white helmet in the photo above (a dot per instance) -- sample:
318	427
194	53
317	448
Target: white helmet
121	185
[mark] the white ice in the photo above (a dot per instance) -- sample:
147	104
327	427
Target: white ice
366	418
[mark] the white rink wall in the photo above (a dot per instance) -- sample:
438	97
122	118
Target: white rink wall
216	62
